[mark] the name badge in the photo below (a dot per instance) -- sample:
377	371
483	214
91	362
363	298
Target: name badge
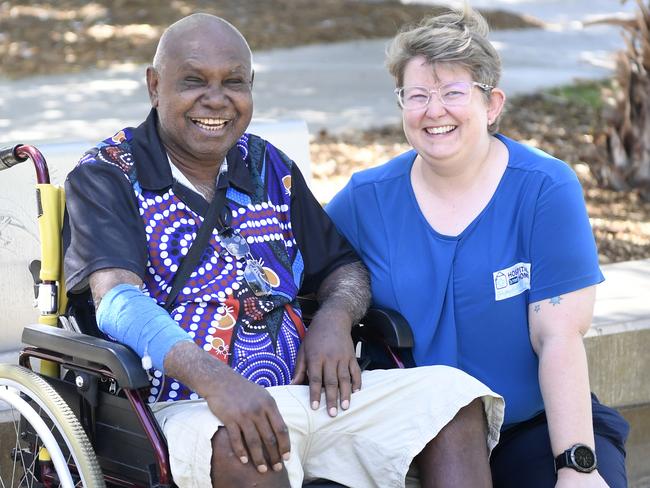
511	281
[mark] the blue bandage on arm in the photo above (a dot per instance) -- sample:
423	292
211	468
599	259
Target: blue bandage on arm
136	320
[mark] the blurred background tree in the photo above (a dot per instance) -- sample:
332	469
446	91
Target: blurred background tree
627	112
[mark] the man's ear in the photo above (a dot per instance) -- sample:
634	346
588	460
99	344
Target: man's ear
252	78
152	85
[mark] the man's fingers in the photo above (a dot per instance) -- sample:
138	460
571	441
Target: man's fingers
355	374
345	386
315	373
270	443
281	435
254	444
331	383
300	369
236	442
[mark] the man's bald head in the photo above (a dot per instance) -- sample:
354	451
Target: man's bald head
201	88
191	25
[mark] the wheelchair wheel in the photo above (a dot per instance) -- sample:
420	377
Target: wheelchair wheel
43	445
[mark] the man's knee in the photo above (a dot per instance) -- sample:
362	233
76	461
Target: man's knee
468	421
229	472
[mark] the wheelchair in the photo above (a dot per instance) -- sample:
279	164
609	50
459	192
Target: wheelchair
83	418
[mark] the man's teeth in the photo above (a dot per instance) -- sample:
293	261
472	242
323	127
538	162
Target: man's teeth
210	124
440	130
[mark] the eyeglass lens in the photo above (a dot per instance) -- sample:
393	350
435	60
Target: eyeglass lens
256	278
234	243
451	94
254	274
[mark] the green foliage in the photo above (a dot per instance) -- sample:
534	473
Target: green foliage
587	93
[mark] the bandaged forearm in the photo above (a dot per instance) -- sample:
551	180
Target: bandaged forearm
134	319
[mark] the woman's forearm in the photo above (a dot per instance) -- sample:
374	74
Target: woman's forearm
564	381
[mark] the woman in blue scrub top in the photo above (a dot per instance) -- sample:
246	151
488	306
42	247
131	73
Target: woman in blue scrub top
484	245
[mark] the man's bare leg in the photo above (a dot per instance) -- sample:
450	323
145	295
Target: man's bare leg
458	456
229	472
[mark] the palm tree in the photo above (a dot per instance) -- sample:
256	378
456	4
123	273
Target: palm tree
628	112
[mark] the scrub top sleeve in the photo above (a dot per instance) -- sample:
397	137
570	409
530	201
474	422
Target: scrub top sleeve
563	251
322	247
343	212
103	228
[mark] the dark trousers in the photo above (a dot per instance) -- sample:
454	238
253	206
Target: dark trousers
523	457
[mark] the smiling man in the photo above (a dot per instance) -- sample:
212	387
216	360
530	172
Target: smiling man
136	204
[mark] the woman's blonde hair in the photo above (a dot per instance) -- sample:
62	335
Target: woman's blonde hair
458	37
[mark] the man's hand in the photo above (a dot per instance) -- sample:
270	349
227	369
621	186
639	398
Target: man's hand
327	358
253	422
248	412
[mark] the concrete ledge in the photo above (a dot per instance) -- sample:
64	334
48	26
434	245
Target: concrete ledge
618	350
619	367
619	340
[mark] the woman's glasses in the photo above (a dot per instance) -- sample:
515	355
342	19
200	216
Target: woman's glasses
236	245
456	94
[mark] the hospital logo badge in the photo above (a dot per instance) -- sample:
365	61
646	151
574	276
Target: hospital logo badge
511	281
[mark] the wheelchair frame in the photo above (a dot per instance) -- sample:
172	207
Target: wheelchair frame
101	388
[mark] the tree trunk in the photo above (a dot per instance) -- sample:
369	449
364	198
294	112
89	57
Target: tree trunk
628	113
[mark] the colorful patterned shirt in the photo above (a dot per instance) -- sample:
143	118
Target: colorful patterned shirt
126	211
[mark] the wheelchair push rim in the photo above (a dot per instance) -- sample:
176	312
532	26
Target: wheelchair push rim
34	406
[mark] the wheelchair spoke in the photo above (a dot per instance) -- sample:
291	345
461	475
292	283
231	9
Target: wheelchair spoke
40	418
22	461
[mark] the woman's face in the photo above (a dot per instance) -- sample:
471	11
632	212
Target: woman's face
445	135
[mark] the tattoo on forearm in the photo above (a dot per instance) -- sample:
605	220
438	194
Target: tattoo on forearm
349	288
555	300
537	308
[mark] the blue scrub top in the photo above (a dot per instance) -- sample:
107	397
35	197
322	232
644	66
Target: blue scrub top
466	297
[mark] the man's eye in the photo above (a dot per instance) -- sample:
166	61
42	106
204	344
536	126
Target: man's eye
235	82
192	80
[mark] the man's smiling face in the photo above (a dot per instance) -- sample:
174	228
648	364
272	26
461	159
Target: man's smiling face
202	92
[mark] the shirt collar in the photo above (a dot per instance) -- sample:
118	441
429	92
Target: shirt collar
152	166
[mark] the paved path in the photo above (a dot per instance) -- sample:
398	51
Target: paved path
337	87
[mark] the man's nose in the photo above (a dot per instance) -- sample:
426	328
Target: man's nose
214	94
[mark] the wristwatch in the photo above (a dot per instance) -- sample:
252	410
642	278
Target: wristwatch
579	457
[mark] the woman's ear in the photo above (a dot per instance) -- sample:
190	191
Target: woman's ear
495	104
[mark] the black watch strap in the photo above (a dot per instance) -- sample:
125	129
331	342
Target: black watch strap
562	460
579	457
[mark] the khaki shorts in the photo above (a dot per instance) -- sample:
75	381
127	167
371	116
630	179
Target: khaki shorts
372	444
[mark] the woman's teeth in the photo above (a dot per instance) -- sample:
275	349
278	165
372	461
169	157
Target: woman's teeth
440	130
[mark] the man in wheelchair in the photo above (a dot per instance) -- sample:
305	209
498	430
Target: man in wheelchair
190	186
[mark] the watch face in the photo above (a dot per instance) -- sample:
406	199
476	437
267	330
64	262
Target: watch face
584	457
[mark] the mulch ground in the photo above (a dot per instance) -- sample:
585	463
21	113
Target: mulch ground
39	37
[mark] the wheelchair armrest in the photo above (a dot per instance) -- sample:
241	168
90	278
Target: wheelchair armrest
388	326
123	363
378	325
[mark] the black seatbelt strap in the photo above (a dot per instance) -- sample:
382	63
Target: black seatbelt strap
191	259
